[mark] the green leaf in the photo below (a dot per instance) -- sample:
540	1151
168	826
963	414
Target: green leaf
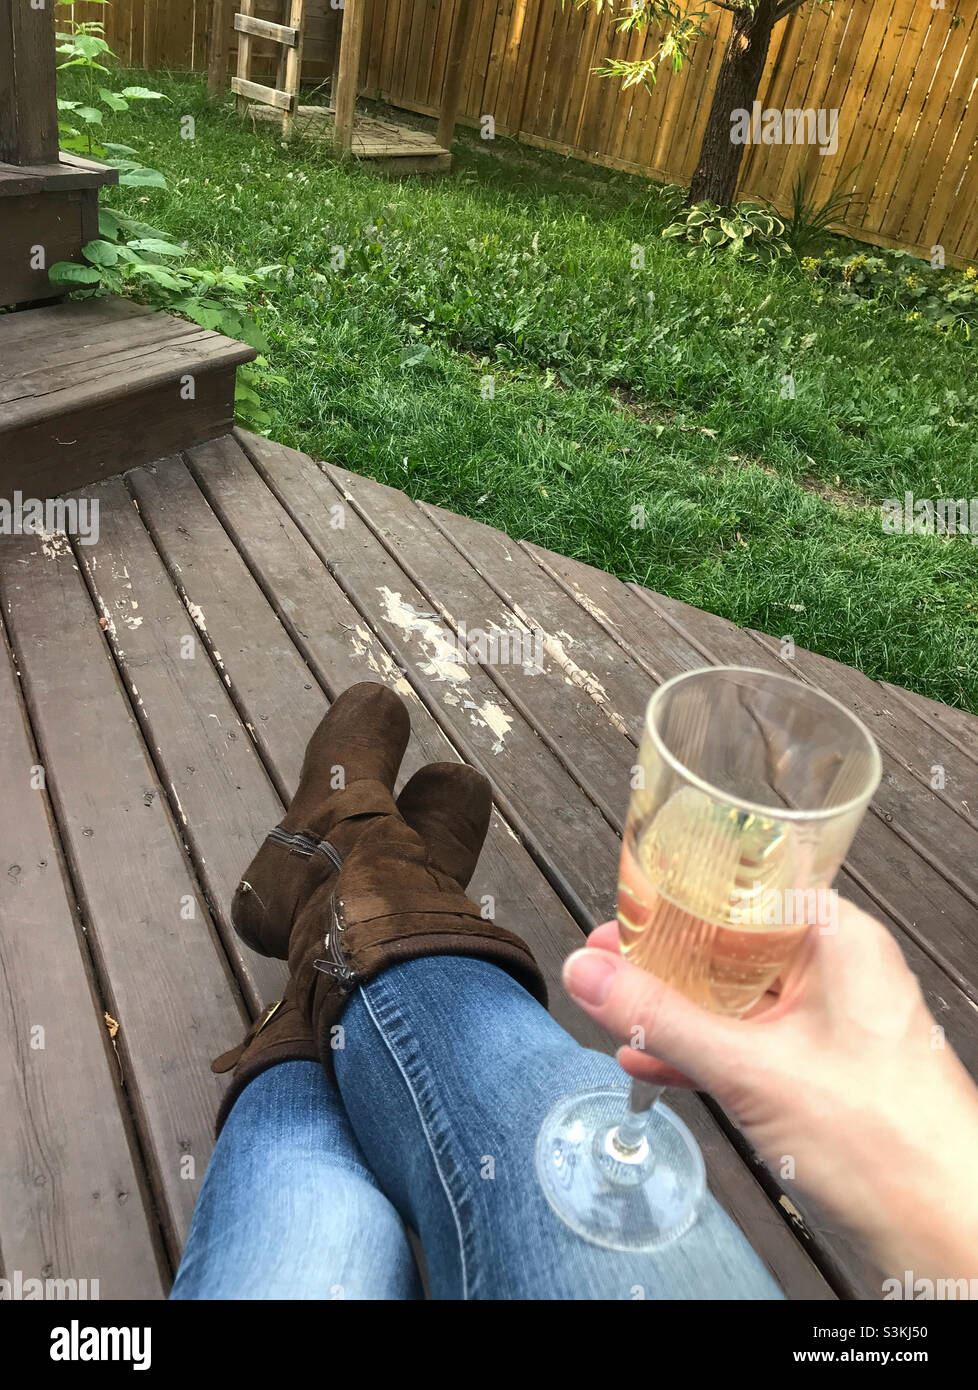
208	315
142	94
142	178
91	115
159	275
113	100
67	273
730	228
109	224
68	105
696	217
81	63
712	236
89	44
677	229
134	228
414	355
244	329
158	247
100	253
118	149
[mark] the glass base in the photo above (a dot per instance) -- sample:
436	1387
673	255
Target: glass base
642	1200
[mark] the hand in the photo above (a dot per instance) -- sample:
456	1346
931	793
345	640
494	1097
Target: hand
842	1078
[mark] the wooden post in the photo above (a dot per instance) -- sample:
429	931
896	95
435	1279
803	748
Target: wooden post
244	57
217	48
348	77
334	76
28	84
458	50
291	65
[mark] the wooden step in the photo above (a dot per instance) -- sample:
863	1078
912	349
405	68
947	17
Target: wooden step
257	91
92	387
51	206
265	29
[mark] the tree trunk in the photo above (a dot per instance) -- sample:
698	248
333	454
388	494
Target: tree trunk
740	76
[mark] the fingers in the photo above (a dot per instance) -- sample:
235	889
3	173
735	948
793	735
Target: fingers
636	1006
605	938
652	1069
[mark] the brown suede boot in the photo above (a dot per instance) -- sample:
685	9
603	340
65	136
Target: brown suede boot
358	745
389	903
449	805
280	1034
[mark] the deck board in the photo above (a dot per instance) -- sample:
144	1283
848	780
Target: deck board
273	689
72	1188
163	979
297	580
217	788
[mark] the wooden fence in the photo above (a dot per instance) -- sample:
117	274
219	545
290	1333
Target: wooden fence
903	77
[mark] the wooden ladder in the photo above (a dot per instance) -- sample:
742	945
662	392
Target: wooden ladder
284	96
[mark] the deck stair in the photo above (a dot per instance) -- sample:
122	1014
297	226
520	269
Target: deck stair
48	211
89	387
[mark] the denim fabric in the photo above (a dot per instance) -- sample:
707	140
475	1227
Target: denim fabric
288	1207
446	1071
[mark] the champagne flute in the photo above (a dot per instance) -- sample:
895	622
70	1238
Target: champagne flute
747	793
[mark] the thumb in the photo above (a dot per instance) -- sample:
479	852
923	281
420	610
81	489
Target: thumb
640	1009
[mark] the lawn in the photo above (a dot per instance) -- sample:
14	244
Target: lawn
636	416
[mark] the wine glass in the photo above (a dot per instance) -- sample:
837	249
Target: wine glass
747	793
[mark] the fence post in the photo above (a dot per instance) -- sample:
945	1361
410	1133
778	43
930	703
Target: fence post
348	76
217	48
462	29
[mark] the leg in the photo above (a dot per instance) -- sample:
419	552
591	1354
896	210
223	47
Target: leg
289	1208
461	1064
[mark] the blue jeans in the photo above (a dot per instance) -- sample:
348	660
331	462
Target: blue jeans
447	1071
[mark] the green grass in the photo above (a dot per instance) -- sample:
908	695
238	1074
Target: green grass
519	266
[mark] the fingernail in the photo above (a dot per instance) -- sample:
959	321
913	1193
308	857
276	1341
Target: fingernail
588	975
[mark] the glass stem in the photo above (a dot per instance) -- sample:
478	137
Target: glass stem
629	1136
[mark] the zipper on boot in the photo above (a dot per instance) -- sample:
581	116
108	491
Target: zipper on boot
336	965
305	843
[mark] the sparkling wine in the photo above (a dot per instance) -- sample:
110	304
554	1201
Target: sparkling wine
705	900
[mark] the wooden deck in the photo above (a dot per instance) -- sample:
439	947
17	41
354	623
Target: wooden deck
166	680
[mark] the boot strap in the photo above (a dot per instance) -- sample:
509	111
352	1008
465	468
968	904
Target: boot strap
362	798
430	928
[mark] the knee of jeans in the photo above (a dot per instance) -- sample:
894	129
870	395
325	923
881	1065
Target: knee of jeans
285	1106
